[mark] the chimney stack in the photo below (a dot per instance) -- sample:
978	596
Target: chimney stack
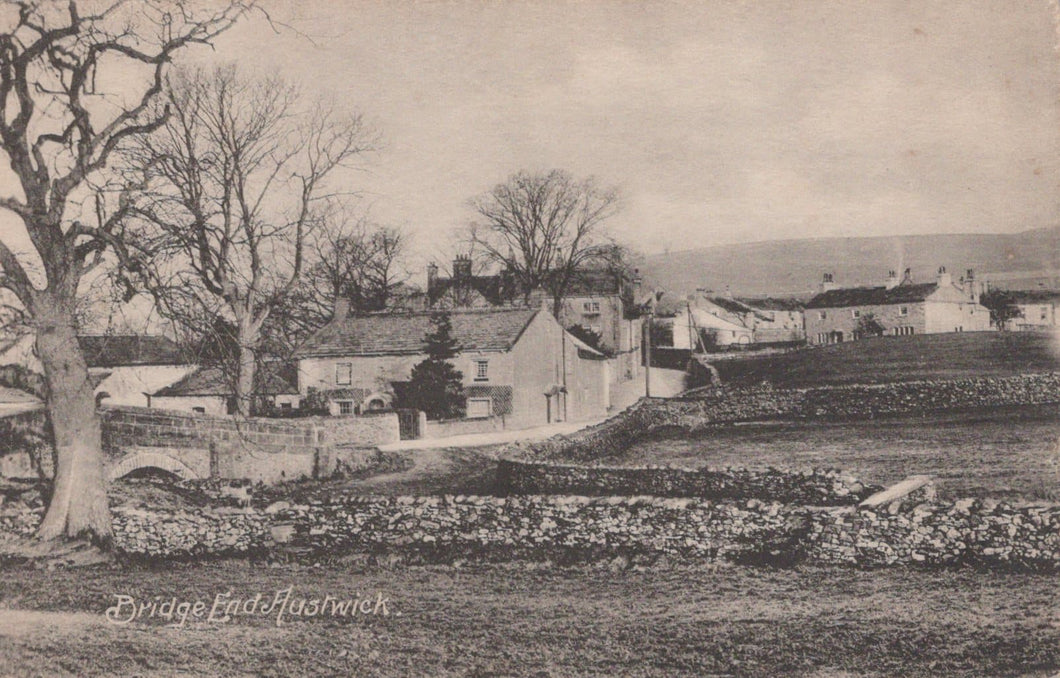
892	279
944	278
828	283
972	287
462	267
907	277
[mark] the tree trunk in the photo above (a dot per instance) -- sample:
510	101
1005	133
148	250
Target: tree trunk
78	506
245	379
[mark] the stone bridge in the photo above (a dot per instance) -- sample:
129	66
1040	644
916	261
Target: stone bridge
186	464
196	446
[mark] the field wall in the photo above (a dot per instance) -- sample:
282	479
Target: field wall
706	407
637	529
812	487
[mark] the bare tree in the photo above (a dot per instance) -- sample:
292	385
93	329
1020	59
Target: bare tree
358	261
364	264
543	228
235	184
62	115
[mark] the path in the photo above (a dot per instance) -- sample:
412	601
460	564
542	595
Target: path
432	461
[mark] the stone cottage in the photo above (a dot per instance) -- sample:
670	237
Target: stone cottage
208	390
519	366
901	307
124	368
599	300
1038	308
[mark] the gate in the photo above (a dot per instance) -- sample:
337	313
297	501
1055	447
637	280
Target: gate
409	424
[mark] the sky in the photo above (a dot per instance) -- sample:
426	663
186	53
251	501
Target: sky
720	122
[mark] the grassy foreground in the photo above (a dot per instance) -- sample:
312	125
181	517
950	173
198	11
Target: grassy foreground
534	621
892	359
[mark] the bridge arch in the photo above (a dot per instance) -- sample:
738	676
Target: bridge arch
138	460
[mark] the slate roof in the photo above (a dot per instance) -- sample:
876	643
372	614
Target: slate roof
872	296
211	381
771	303
403	333
129	349
729	304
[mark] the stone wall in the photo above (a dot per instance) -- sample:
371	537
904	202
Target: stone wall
704	408
365	430
573	528
455	427
812	487
871	400
447	528
934	534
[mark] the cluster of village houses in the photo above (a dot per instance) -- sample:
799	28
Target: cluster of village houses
521	365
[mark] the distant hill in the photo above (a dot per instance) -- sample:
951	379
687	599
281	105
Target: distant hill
794	267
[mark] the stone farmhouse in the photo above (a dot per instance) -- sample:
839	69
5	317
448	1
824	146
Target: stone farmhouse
598	300
1038	308
123	367
520	367
901	307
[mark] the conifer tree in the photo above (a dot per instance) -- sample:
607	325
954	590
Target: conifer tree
436	386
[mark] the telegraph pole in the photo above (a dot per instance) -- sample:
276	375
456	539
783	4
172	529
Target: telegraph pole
647	347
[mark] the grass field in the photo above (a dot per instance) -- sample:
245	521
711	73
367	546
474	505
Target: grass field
1007	453
890	359
519	621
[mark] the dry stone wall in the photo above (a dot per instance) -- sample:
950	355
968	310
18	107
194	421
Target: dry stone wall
704	408
572	528
815	487
985	533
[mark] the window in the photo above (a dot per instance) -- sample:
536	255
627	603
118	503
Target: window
903	310
479	408
591	307
285	406
345	407
343	374
482	370
1045	312
200	410
856	313
822	315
